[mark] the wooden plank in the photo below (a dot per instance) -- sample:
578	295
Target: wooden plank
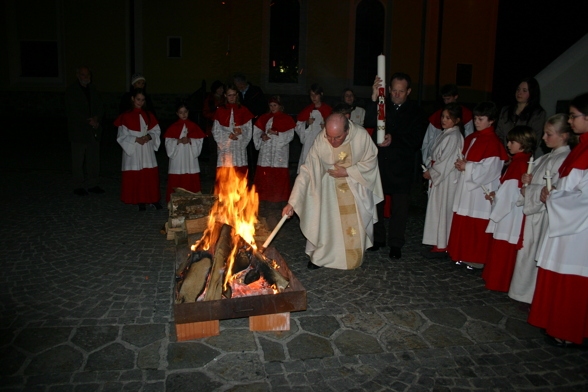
196	225
201	329
270	322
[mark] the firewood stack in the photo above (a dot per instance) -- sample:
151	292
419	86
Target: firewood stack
188	214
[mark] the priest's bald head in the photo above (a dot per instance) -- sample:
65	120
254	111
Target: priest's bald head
336	129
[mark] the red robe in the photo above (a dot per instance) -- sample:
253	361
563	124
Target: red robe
304	115
272	183
468	240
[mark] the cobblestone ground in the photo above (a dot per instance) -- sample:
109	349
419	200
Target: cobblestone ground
86	287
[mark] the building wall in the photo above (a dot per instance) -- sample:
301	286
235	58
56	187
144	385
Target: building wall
221	39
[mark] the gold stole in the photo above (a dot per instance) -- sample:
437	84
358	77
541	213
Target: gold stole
348	210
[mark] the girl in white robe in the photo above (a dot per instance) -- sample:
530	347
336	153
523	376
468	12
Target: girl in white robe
138	135
183	143
560	302
557	135
232	131
443	176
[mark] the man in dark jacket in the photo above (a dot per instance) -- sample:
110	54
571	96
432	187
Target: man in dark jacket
85	111
405	128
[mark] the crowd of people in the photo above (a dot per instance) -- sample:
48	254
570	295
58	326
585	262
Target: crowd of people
515	215
501	204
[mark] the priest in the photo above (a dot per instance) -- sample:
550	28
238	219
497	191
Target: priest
335	195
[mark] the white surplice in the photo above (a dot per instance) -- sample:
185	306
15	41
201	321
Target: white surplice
231	153
275	151
137	156
308	134
183	158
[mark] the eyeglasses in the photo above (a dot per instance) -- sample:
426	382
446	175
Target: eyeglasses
571	116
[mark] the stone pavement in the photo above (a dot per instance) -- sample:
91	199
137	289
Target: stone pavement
86	305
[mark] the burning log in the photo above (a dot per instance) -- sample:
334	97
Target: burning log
267	267
221	255
194	280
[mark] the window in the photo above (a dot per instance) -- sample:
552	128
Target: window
174	47
369	41
284	41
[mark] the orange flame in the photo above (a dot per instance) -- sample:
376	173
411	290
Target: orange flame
237	206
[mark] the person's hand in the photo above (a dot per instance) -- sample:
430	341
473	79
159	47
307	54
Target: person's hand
237	131
387	141
93	122
427	175
141	140
265	137
526	178
545	194
184	140
272	131
376	88
460	164
288	210
490	197
310	121
232	136
338	172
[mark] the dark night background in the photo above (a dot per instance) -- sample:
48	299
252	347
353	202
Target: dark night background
530	35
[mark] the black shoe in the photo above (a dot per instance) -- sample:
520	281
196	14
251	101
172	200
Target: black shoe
312	266
157	205
142	207
80	192
97	190
395	252
376	246
559	342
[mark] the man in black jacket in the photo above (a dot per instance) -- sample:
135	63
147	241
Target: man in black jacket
85	111
405	128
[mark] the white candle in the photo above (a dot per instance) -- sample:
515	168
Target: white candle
381	128
487	192
548	179
529	168
424	168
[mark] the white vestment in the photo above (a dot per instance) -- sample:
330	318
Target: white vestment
315	199
357	115
275	151
565	247
136	156
470	197
443	185
308	134
183	158
231	153
522	285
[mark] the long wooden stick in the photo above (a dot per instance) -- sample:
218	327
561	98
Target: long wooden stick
273	234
